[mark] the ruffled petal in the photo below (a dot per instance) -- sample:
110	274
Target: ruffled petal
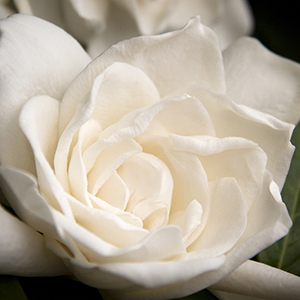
231	119
33	62
263	80
260	281
160	58
227	212
38	121
144	275
23	252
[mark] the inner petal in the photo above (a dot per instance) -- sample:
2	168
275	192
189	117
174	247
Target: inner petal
187	117
229	157
87	135
151	185
115	192
226	222
108	161
189	221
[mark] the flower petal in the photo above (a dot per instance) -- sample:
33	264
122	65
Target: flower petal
33	62
144	277
22	250
38	121
231	119
263	80
258	280
160	57
229	19
227	212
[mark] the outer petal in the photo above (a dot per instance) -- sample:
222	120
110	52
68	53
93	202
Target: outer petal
258	280
229	19
162	59
36	57
263	80
22	250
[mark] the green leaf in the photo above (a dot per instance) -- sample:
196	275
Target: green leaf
10	289
285	254
202	295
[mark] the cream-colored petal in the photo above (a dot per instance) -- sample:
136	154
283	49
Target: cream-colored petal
143	277
108	161
33	62
38	121
260	281
263	80
88	134
161	58
227	219
230	119
151	186
189	221
115	192
120	89
23	252
139	245
229	157
187	117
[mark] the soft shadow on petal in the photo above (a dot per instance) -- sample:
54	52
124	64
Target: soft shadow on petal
22	250
258	78
44	9
147	280
231	119
36	58
188	56
259	281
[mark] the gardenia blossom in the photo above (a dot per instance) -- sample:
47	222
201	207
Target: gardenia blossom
98	24
152	171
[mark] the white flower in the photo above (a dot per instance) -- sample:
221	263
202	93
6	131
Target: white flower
153	171
100	23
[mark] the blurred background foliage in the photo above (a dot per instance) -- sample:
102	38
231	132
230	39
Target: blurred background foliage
277	26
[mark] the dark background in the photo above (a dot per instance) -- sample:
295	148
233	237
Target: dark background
278	26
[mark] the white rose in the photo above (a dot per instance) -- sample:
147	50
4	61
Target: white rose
144	174
98	24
